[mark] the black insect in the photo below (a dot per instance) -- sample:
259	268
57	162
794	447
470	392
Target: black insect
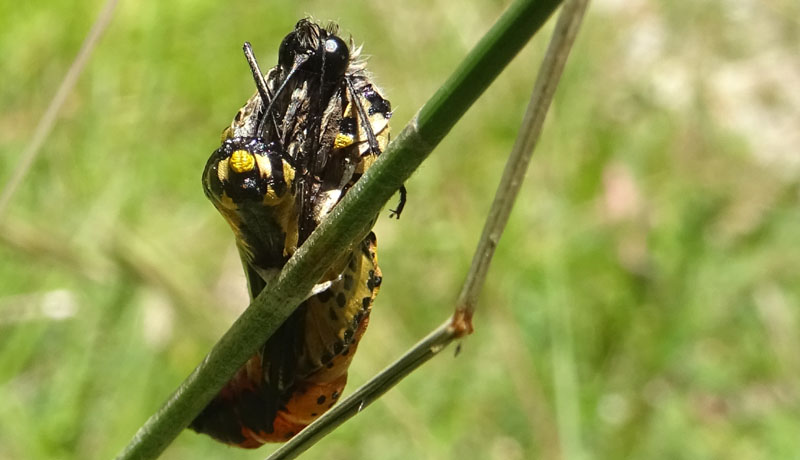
314	126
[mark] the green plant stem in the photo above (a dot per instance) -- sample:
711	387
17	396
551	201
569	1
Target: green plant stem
347	222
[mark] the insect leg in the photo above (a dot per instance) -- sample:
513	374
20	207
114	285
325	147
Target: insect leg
362	114
396	211
373	144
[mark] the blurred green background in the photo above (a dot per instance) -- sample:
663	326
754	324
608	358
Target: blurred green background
642	304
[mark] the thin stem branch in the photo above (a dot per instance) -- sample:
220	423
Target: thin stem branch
47	121
419	354
460	324
517	165
347	223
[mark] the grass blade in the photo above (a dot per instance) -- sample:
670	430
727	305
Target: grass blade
48	120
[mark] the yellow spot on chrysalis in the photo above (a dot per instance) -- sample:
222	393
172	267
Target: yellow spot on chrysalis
271	198
264	166
348	111
242	161
342	141
288	174
226	134
222	171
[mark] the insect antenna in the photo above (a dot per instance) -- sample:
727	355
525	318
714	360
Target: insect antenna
261	85
298	61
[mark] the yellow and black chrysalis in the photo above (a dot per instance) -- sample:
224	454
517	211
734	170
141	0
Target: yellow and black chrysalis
315	124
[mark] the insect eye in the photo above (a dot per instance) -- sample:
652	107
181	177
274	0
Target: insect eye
337	58
287	51
331	59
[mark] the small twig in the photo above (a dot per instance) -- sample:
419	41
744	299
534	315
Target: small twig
569	21
460	324
48	119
